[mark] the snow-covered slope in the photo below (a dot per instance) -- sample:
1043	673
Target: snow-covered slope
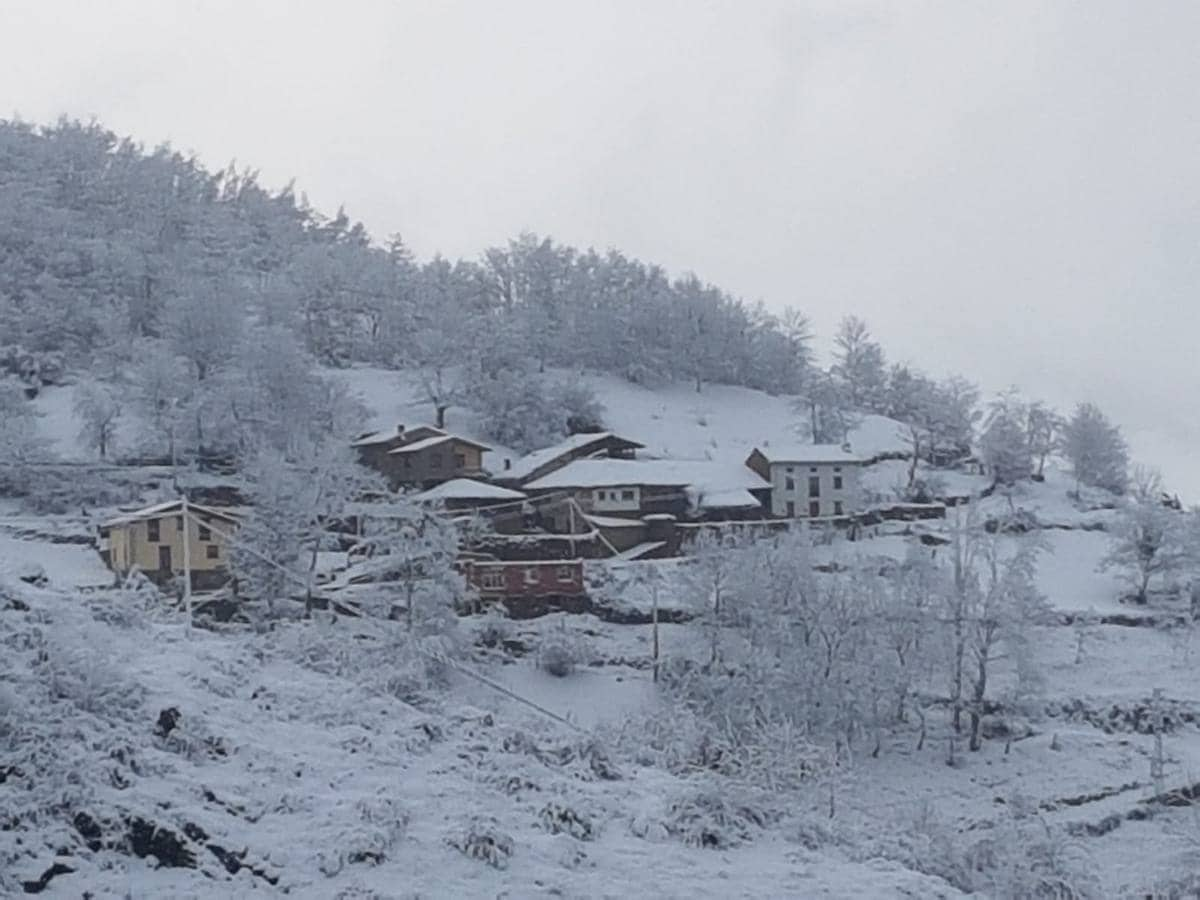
720	422
143	759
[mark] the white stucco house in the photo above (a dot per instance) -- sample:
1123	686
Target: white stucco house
810	480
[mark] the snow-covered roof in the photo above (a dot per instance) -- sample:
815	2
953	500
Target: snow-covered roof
467	489
378	437
169	507
435	441
702	474
808	453
614	522
640	550
730	499
531	462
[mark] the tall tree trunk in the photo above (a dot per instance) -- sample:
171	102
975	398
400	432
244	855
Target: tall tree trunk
441	415
977	701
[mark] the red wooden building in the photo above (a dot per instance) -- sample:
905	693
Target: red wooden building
542	578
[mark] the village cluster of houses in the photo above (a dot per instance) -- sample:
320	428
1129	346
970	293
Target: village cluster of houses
591	495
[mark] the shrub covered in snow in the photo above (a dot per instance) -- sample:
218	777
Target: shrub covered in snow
1017	856
716	818
562	650
483	839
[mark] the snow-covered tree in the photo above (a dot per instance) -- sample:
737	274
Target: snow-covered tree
409	552
21	446
1004	609
956	414
826	405
1096	449
297	503
859	366
1149	539
1004	442
1043	428
99	412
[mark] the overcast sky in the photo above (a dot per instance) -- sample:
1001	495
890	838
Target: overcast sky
1010	190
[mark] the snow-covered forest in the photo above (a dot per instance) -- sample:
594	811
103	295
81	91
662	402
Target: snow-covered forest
988	694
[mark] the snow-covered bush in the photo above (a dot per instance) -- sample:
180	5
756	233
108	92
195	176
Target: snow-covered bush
558	818
380	825
1018	856
484	840
562	650
87	675
716	818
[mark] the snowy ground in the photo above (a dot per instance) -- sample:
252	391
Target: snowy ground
298	759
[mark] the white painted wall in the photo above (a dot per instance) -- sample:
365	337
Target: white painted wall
828	497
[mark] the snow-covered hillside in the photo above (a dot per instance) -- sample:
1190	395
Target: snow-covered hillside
322	758
720	422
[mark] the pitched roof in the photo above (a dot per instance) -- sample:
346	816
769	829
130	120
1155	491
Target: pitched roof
378	437
528	464
467	489
170	507
808	453
434	441
702	474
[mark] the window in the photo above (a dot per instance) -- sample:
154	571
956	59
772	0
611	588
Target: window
625	499
789	484
837	468
791	509
212	551
837	482
436	460
837	508
492	580
533	575
814	485
460	460
813	469
179	524
564	573
205	533
407	462
789	469
152	530
814	508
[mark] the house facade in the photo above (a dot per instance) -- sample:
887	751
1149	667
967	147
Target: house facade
685	489
495	579
420	457
813	481
151	540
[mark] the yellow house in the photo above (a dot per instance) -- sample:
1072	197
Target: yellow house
151	540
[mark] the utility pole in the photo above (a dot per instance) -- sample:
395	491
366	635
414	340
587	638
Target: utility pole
187	556
654	618
571	523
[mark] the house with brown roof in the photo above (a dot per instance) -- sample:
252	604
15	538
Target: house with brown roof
420	457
